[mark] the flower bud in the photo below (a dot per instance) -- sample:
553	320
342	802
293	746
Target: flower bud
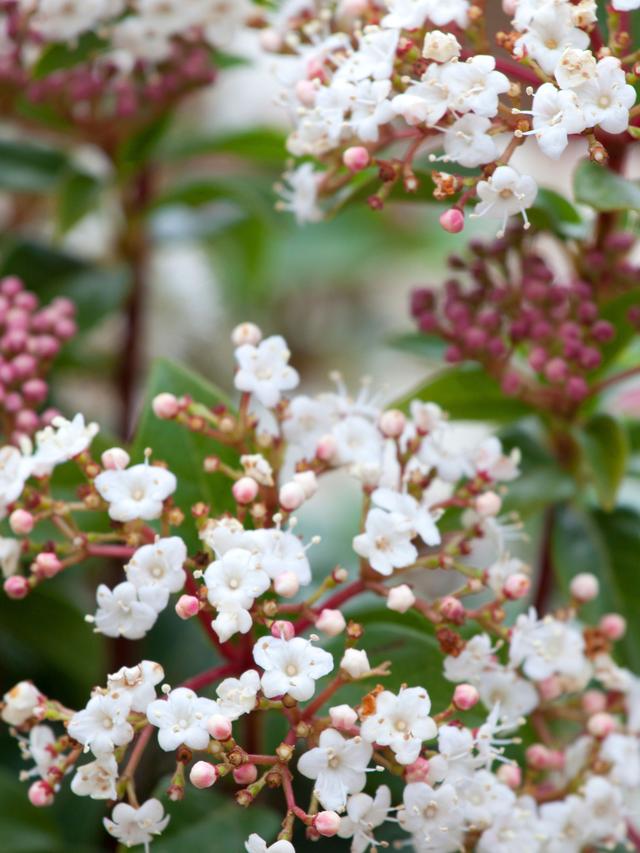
356	158
440	47
46	565
355	663
465	696
326	823
343	717
245	490
539	756
452	220
601	724
401	598
246	333
613	626
452	609
287	584
306	91
550	688
115	459
245	774
283	629
584	587
40	794
392	423
219	727
510	775
165	406
308	481
418	771
203	774
291	496
187	606
21	522
16	587
488	504
594	701
331	622
516	586
326	448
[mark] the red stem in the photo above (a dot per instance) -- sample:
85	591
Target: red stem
520	72
322	697
332	603
203	679
116	551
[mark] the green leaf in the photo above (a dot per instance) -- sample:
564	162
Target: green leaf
615	312
420	344
141	146
468	393
552	212
262	145
66	55
25	829
605	446
603	189
31	168
77	197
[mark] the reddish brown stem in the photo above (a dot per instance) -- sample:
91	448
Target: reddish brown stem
116	551
322	697
333	603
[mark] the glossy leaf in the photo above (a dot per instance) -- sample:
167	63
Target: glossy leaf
27	167
55	57
76	198
603	189
605	446
262	145
421	345
553	212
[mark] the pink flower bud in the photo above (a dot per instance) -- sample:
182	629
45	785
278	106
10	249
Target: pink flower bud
270	40
203	774
392	423
291	496
452	609
41	794
550	688
326	823
452	220
488	504
331	622
401	598
516	586
356	158
306	91
594	701
538	756
584	587
418	771
326	448
11	285
187	606
465	696
601	724
115	459
245	490
308	481
613	626
283	630
245	774
246	333
46	565
556	370
219	727
27	421
165	406
353	7
16	587
510	775
21	522
287	584
343	717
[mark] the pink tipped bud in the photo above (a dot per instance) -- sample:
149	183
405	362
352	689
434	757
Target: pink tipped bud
452	609
356	158
46	565
245	774
115	459
584	587
246	333
465	696
401	598
343	717
306	91
601	724
308	482
550	688
516	586
245	490
326	823
613	626
326	448
16	587
488	504
594	701
287	584
27	421
21	522
41	794
291	496
187	606
539	756
452	220
35	390
165	406
331	622
283	629
392	423
203	774
418	771
510	775
219	727
11	285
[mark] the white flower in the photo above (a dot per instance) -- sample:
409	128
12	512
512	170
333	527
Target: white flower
575	68
407	14
567	825
607	98
224	19
124	611
231	620
41	739
416	515
386	542
15	470
158	568
468	143
64	20
256	844
222	534
235	580
60	442
10	550
546	647
504	567
374	58
237	696
485	798
475	85
433	815
453	11
470	665
133	826
427	101
364	813
456	747
181	718
136	492
264	370
622	752
306	421
279	551
550	33
137	683
358	441
625	5
516	696
102	725
257	467
338	767
505	194
134	38
556	114
299	195
20	702
605	808
489	458
355	663
401	722
518	829
370	108
290	666
97	779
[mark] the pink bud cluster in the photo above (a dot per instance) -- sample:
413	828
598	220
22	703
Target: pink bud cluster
30	338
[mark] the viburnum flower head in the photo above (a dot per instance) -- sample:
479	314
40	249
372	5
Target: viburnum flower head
338	767
159	567
290	666
417	515
401	722
264	370
181	718
133	826
136	492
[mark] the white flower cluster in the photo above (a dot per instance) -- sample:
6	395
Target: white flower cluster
352	90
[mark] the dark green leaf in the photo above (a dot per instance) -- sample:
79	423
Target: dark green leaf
25	829
605	448
26	167
603	189
66	55
552	212
77	197
615	312
263	145
422	345
141	146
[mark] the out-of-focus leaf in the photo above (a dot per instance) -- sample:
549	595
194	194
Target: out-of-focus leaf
25	829
603	189
424	346
605	447
142	145
76	197
552	212
29	167
180	222
616	312
263	145
468	393
369	184
66	55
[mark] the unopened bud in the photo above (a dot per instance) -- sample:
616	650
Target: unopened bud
452	220
291	496
246	333
343	717
331	622
613	626
401	598
16	587
287	584
601	724
245	774
326	448
356	158
40	794
516	586
308	481
355	663
488	504
594	701
510	775
46	565
392	423
245	490
326	823
283	630
550	688
584	587
465	696
21	522
219	727
418	771
203	774
165	406
187	606
452	609
115	459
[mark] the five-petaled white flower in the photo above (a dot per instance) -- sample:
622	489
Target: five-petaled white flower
338	767
290	666
158	568
237	696
264	370
235	580
386	541
136	683
136	492
102	725
60	442
401	722
364	813
124	611
181	718
133	826
97	779
15	470
504	194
